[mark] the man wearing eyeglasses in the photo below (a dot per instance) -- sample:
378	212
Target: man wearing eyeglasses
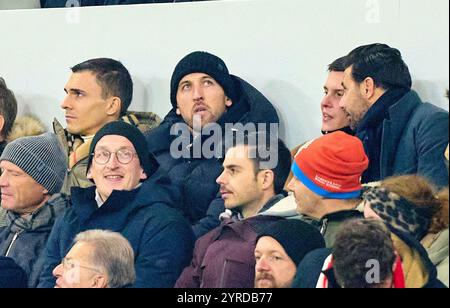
129	198
98	259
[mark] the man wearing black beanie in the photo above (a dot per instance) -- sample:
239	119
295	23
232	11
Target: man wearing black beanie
204	93
279	250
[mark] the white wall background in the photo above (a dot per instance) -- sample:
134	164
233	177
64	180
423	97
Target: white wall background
282	47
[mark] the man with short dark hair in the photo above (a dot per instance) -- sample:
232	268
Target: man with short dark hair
224	257
99	91
333	117
401	135
204	95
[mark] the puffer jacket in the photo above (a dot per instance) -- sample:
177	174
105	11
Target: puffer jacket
196	177
436	246
162	240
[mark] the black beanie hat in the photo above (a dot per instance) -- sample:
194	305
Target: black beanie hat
297	237
11	275
132	133
202	62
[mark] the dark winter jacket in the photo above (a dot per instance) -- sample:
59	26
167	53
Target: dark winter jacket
161	238
24	240
196	177
12	275
224	257
413	139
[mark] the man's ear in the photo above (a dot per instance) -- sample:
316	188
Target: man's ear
89	174
99	282
114	106
143	175
178	111
267	179
228	102
368	88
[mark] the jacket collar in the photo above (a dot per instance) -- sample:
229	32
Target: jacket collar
399	116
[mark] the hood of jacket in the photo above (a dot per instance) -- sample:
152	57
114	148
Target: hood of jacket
251	107
122	205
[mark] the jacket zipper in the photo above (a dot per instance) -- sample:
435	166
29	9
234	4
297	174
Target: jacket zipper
16	235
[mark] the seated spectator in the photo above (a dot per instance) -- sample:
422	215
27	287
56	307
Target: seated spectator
415	212
98	259
224	257
99	91
333	117
12	276
279	250
33	171
130	198
363	256
203	89
400	133
327	181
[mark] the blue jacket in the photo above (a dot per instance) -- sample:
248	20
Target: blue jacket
196	177
414	140
161	238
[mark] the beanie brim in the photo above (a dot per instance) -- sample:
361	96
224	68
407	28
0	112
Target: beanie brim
298	173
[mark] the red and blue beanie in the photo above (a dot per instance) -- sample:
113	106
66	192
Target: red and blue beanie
331	166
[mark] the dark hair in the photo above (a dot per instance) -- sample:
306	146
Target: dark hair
112	76
358	242
338	65
381	63
8	108
262	149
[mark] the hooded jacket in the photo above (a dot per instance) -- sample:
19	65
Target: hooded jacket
224	257
196	177
24	240
160	237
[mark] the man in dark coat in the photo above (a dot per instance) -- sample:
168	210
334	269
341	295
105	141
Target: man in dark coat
400	133
203	89
33	171
128	198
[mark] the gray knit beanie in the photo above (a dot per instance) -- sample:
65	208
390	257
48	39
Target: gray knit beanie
41	157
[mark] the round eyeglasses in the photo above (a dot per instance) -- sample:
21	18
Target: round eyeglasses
123	156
